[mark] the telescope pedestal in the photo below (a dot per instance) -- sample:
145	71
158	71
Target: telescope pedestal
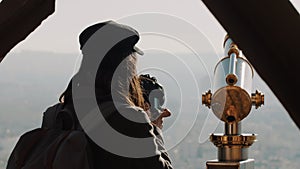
232	151
216	164
232	148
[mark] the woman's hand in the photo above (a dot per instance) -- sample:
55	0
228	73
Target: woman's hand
159	121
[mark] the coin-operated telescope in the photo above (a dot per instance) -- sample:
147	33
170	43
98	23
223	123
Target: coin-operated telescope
231	101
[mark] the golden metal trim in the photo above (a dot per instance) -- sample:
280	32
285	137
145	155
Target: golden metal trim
243	140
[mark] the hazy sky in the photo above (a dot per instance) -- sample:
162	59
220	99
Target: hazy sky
60	32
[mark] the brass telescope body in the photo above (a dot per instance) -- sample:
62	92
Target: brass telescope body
231	102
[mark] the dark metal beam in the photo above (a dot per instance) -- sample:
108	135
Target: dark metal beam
268	33
18	18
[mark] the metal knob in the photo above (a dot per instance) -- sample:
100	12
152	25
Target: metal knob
206	98
258	99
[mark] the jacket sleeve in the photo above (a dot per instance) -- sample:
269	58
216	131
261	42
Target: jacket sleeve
161	158
160	143
136	124
159	161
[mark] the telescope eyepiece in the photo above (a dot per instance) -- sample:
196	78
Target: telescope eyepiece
231	79
230	119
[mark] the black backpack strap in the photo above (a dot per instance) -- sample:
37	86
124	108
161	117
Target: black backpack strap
50	116
59	116
66	120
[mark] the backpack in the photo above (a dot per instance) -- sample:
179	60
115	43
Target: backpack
58	144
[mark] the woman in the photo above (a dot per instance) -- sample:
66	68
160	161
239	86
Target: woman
110	80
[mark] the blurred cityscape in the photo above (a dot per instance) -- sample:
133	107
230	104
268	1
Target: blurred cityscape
32	81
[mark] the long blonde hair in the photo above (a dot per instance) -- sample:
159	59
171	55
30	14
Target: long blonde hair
120	78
